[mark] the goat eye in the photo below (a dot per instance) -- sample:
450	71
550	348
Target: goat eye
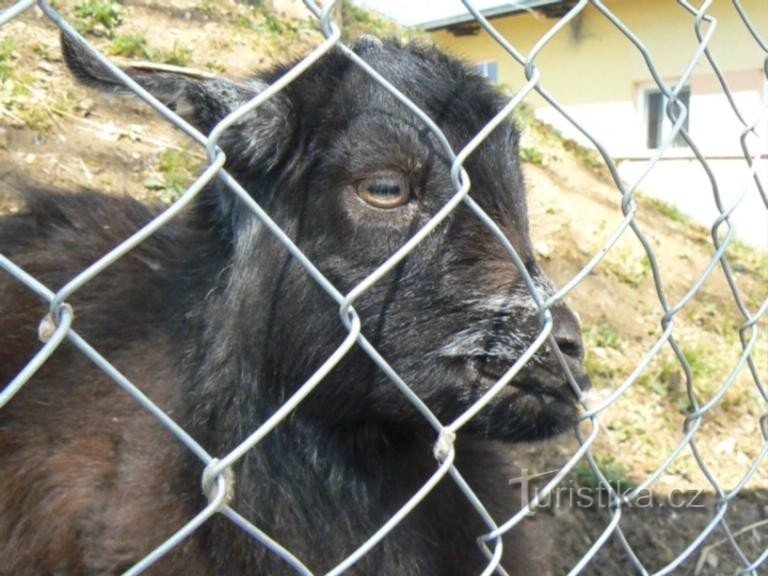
384	191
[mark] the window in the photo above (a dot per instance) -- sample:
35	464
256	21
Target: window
659	124
489	69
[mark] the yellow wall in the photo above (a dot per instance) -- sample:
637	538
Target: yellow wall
590	61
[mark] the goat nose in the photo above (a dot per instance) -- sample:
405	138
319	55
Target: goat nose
567	332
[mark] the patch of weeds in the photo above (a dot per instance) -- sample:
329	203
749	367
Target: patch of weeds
708	315
698	361
586	156
629	269
357	21
243	21
36	118
43	51
667	210
177	56
275	34
598	369
614	471
604	337
664	377
732	400
13	94
131	46
716	317
277	25
98	17
670	378
744	258
525	118
210	9
175	170
7	56
523	115
215	66
684	405
531	156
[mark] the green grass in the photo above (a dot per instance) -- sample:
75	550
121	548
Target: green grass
531	156
526	120
603	336
43	51
131	46
744	258
709	366
13	93
7	55
667	210
177	56
176	170
136	46
601	372
586	156
698	361
601	367
210	9
357	21
98	17
523	114
628	269
17	91
614	471
243	21
36	118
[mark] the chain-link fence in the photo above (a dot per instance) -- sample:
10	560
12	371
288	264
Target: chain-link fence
219	481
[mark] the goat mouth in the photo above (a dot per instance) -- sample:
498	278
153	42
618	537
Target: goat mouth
534	380
537	403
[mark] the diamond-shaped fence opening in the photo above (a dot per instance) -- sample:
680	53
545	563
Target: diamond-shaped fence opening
665	471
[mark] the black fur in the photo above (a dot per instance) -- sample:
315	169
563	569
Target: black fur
218	324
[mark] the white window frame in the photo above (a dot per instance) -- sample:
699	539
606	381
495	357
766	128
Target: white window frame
664	126
484	68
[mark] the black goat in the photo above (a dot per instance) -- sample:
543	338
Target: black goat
218	324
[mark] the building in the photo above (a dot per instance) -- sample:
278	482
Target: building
601	79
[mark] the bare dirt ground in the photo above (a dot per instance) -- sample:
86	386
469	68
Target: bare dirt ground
55	133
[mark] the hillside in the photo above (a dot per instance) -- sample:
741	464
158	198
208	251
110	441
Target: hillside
54	132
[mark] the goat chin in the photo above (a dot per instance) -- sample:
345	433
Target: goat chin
216	322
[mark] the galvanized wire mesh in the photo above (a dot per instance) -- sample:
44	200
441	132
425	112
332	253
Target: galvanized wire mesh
217	481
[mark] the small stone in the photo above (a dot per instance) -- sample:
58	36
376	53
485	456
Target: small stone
85	105
153	183
46	67
726	447
543	249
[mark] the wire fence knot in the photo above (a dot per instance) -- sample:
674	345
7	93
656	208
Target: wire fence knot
444	444
49	323
214	481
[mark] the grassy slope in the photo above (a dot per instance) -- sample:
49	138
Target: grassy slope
575	208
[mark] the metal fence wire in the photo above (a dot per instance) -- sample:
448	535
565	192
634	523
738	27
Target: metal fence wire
57	326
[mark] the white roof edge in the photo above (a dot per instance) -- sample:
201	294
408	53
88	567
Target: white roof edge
509	8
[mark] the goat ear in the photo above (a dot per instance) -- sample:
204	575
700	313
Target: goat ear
203	101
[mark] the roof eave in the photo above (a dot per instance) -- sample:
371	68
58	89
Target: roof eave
495	12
